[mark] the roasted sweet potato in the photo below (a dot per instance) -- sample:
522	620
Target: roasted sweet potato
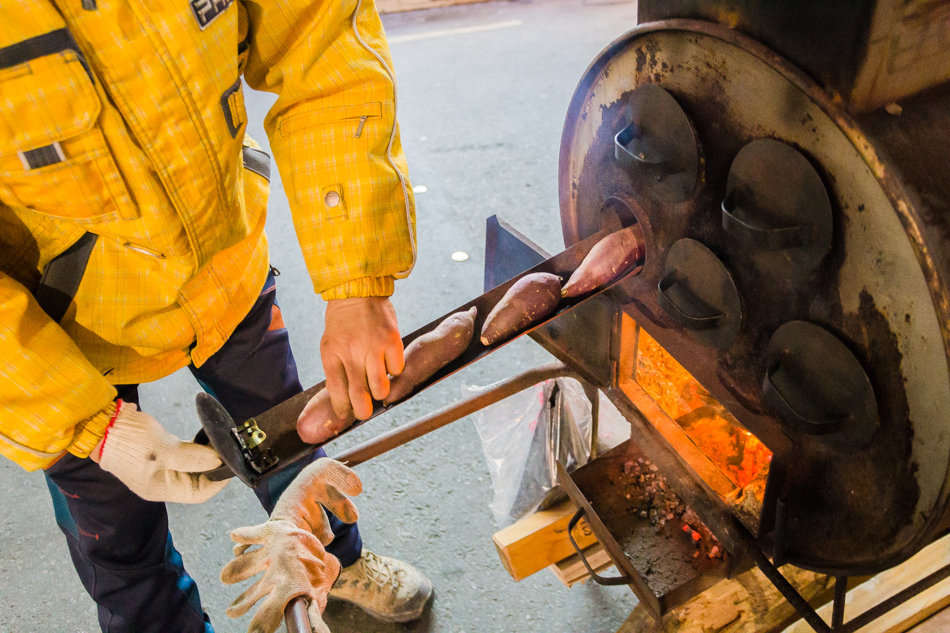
609	259
318	423
528	301
431	352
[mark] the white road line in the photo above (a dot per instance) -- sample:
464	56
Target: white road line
445	32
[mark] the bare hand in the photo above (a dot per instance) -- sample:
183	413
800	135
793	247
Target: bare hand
360	349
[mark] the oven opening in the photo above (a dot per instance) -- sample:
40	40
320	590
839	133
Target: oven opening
730	459
740	456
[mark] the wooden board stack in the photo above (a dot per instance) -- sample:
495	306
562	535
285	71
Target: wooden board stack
540	540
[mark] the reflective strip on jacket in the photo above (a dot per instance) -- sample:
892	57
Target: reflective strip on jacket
126	119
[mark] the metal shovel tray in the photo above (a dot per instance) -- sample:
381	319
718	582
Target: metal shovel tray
665	555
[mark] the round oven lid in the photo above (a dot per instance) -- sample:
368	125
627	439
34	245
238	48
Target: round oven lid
777	207
697	293
816	386
658	148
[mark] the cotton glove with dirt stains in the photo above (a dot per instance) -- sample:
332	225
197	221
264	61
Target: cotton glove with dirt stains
291	549
152	462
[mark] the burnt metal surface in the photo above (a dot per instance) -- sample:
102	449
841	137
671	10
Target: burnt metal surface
865	54
910	155
826	39
880	289
582	338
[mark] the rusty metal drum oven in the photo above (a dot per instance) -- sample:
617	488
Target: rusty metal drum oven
797	267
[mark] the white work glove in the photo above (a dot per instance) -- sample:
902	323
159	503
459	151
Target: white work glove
323	484
294	563
152	462
291	552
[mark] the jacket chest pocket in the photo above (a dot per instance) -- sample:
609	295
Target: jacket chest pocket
53	157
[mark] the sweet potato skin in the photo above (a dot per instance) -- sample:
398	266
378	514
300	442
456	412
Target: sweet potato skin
318	423
528	301
431	352
605	262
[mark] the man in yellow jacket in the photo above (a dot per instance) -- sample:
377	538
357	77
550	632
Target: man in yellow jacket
122	139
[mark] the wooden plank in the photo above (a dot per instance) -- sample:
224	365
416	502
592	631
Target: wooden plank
933	619
748	603
937	621
398	6
540	539
571	570
890	582
906	52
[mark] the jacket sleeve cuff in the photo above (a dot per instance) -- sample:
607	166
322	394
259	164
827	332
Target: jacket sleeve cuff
365	287
90	431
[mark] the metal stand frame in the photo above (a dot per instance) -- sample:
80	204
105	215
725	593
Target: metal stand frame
838	625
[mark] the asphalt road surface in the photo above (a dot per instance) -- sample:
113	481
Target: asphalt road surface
483	93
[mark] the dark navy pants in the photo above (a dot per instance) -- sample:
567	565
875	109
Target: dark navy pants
120	544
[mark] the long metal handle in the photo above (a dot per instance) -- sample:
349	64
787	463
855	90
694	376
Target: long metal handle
417	428
282	445
295	616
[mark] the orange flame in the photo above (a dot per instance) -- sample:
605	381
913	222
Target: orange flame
738	453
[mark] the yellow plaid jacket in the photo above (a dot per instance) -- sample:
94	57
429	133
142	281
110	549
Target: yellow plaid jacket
126	119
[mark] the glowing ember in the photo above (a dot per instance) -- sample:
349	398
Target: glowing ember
738	453
652	500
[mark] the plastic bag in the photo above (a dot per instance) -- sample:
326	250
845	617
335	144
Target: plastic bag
523	436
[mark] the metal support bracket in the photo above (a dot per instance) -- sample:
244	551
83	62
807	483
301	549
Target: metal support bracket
250	438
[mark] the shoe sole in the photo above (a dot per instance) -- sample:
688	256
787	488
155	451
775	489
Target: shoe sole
422	598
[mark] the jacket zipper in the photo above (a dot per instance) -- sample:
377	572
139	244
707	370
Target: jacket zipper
359	130
144	251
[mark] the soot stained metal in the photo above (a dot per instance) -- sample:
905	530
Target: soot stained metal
858	431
